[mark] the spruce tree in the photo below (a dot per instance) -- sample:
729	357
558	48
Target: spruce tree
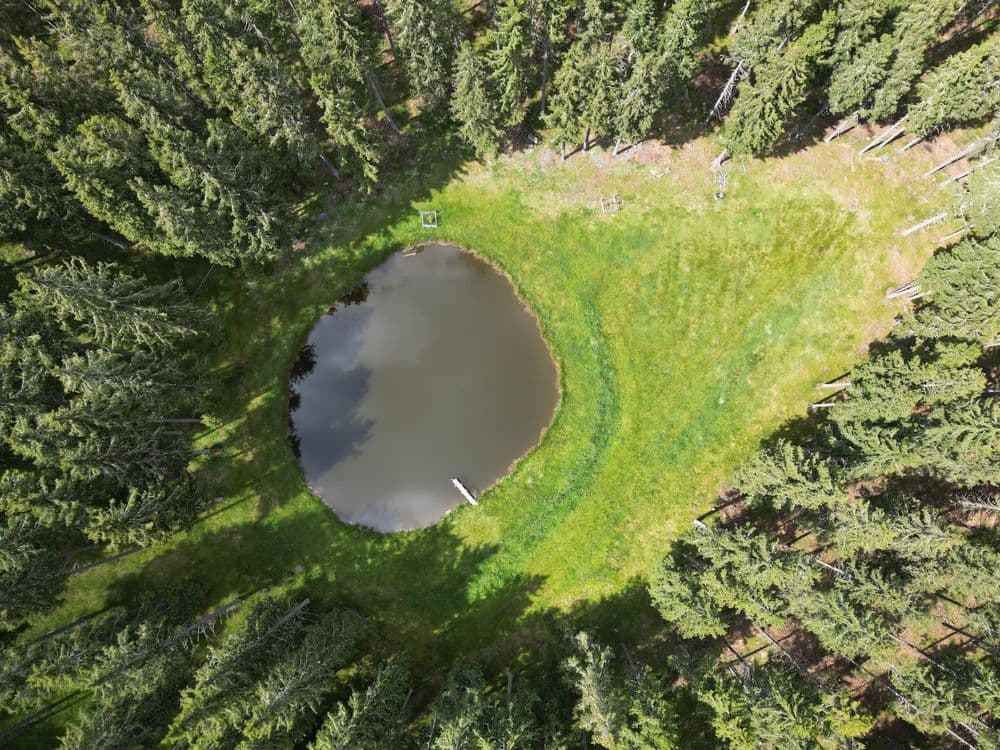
776	87
785	477
341	54
91	364
569	99
215	707
775	708
474	104
254	85
425	34
509	60
602	708
681	35
287	701
963	283
979	201
880	53
33	565
960	91
99	161
265	683
458	711
34	204
620	711
372	719
676	590
222	199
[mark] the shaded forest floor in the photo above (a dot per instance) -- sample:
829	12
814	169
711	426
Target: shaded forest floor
686	329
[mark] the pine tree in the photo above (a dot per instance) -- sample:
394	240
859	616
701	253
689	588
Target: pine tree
474	105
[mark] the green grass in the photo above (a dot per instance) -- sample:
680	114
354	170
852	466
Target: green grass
686	330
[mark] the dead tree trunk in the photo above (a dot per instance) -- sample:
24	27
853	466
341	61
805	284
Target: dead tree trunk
380	11
848	123
739	19
925	223
545	73
376	90
968	171
951	160
329	165
908	288
886	137
117	241
727	92
954	234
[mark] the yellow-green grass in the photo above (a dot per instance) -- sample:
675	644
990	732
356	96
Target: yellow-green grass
686	330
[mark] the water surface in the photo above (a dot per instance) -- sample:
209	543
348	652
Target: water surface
433	369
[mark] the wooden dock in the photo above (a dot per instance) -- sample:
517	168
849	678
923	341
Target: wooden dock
464	490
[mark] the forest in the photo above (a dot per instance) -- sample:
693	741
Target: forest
171	169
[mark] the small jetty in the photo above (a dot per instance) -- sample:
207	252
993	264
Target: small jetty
464	490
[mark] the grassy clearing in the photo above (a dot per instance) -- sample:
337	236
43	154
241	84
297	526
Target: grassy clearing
686	330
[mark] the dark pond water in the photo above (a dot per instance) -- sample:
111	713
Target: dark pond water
432	369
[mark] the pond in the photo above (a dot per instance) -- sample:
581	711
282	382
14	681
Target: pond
433	369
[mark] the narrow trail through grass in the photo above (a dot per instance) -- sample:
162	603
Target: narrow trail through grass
686	330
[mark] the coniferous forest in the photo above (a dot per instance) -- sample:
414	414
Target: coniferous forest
843	589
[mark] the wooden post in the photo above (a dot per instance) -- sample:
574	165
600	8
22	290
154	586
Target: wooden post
465	492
